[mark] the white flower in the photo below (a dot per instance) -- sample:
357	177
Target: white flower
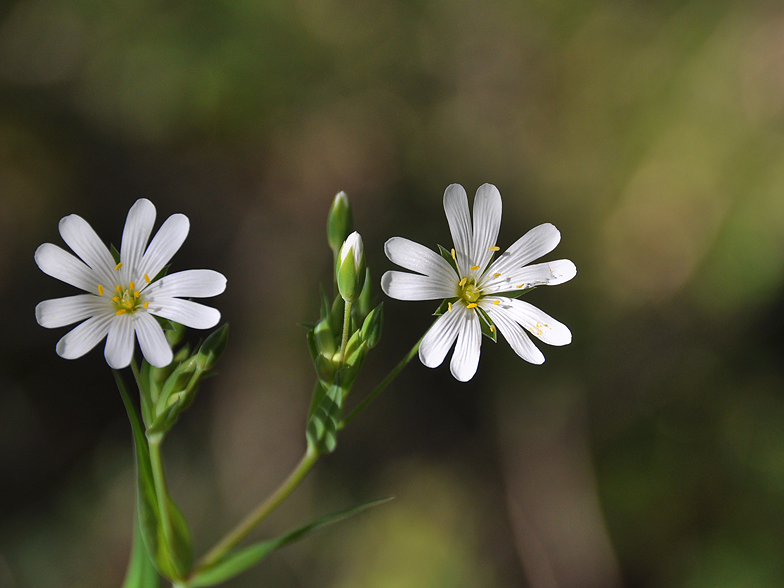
479	290
121	298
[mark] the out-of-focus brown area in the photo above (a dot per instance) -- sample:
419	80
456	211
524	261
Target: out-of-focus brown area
648	453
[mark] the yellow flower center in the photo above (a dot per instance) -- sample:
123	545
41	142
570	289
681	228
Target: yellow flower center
468	291
126	299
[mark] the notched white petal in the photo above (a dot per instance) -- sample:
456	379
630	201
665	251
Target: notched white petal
58	263
83	241
59	312
465	359
418	258
189	284
404	286
164	245
136	234
119	342
550	273
440	338
534	244
152	340
84	337
185	312
487	222
459	219
513	332
539	323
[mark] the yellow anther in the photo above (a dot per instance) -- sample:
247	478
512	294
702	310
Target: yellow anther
462	282
116	299
137	294
128	304
100	290
496	275
121	311
474	268
494	248
492	328
521	285
450	306
118	266
118	288
146	278
453	254
146	304
131	285
496	302
472	305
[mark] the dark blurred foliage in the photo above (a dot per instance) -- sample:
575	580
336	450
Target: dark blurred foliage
648	453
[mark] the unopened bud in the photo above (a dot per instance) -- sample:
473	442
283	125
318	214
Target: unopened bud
350	268
338	221
212	348
371	328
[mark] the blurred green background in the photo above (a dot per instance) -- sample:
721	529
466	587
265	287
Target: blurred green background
648	453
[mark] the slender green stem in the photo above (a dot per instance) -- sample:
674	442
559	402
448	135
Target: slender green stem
346	329
160	488
231	539
384	383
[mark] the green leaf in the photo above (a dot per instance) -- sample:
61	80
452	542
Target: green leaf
114	252
172	566
322	426
444	306
141	571
239	561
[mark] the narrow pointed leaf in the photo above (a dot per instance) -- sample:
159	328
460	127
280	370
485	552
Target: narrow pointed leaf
239	561
141	571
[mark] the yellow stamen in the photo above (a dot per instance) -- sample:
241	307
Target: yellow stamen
100	290
521	285
116	299
118	288
494	248
146	304
128	304
474	268
118	266
453	254
136	294
492	328
146	278
450	306
121	311
131	285
496	275
496	302
472	305
462	282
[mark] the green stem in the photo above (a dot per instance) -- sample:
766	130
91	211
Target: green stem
384	383
231	539
160	488
346	329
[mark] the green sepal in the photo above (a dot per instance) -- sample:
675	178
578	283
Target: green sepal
238	561
444	306
141	572
336	315
362	306
339	221
447	254
172	566
485	323
166	324
325	305
114	252
373	326
514	293
324	339
161	273
213	347
175	334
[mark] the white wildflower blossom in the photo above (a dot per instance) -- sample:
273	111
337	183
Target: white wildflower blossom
121	298
478	288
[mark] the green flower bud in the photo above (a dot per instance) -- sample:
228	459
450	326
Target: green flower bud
371	328
365	300
350	268
338	221
324	339
212	348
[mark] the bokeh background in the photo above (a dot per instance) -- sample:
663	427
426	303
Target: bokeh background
648	453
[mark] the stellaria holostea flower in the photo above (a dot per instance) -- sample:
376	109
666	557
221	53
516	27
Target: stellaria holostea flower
121	297
476	289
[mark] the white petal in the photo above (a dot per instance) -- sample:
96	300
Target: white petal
418	258
119	342
152	340
165	244
439	339
59	312
185	312
538	323
188	284
519	341
83	241
465	359
550	273
459	219
534	244
487	221
136	234
60	264
405	286
84	337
